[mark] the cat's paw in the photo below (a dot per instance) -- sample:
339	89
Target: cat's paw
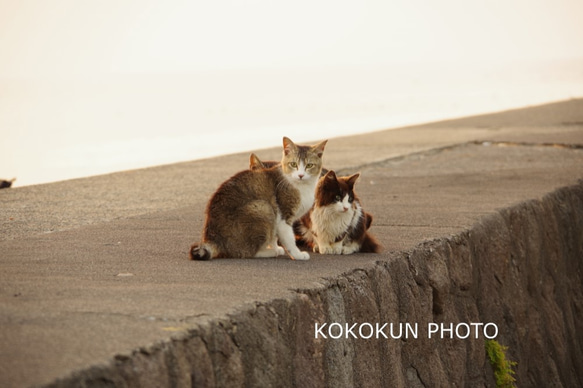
302	256
280	251
349	249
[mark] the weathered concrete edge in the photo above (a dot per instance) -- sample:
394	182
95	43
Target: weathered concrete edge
520	268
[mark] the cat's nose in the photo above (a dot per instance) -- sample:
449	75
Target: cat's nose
300	176
345	209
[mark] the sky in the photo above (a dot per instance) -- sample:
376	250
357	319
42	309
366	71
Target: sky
94	86
43	38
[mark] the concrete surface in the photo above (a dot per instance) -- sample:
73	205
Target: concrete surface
95	269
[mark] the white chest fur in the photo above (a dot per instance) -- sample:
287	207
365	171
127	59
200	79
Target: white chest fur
328	223
307	191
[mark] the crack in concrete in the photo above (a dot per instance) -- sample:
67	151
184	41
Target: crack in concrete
438	150
423	226
526	144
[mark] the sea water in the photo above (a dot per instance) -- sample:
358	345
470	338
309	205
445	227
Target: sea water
55	129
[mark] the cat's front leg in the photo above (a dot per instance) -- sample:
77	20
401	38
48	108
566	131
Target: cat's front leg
280	250
286	236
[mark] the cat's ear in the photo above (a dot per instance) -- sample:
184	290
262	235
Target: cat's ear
255	162
352	179
319	148
331	176
288	145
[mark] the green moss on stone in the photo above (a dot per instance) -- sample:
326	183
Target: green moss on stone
502	367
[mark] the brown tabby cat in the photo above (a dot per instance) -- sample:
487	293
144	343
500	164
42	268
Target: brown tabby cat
254	209
337	224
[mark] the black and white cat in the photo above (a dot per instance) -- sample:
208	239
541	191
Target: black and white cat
253	210
337	224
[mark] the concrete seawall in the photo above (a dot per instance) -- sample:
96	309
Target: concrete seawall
520	268
481	220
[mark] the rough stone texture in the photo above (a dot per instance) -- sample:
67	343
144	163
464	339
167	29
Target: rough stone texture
520	268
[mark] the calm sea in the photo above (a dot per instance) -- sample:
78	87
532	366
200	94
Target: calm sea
56	129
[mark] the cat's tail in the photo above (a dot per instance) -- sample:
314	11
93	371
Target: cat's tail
367	220
200	252
302	232
370	245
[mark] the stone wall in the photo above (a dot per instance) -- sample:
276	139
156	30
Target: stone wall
520	269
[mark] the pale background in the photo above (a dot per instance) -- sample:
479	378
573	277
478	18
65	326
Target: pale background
89	87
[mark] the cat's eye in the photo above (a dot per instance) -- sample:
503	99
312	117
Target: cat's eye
309	165
351	199
338	198
293	164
